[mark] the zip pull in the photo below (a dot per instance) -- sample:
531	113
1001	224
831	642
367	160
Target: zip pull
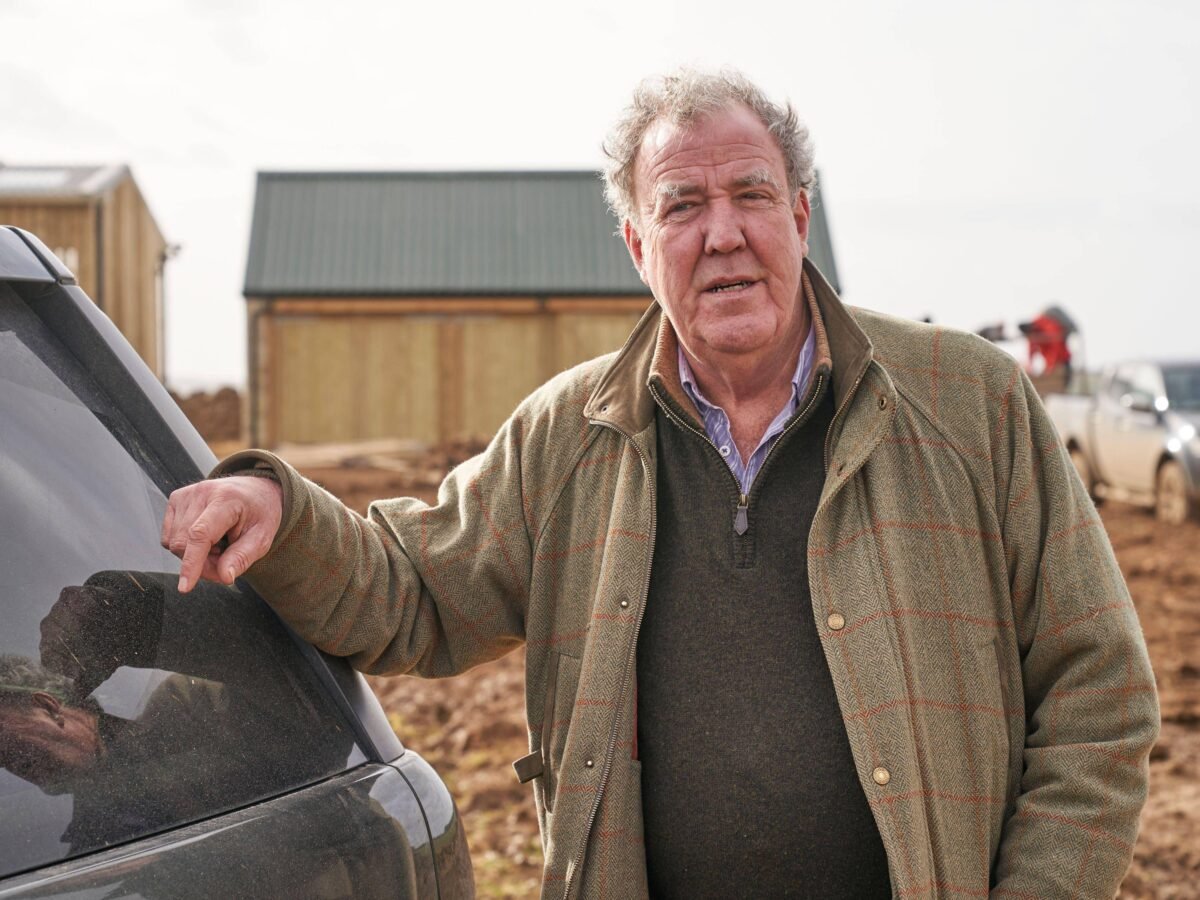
741	522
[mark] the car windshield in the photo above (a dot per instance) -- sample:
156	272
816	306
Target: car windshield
1183	387
125	708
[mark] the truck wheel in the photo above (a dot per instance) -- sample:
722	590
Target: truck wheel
1172	504
1080	462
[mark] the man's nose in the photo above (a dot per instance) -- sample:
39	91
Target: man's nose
723	229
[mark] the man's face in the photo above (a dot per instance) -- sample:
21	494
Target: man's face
44	741
719	241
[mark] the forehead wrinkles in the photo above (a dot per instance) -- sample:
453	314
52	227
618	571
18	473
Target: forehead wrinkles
683	150
736	172
671	155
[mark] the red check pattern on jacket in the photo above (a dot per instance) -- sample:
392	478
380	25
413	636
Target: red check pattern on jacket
987	659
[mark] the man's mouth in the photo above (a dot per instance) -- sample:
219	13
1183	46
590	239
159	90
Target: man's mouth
728	286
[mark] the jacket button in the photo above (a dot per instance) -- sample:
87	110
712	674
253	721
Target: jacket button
881	775
590	763
836	621
624	604
883	402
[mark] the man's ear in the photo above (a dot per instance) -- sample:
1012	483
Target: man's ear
48	702
634	242
802	213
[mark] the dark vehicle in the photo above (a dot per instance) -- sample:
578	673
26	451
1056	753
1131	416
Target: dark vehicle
154	745
1135	437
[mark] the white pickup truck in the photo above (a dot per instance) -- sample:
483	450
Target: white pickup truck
1135	438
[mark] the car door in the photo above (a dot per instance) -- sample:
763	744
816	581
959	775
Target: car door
1135	435
151	743
1125	428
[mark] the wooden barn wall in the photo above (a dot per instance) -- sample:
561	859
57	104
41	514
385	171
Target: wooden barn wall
580	336
345	373
115	249
352	378
133	250
67	228
502	360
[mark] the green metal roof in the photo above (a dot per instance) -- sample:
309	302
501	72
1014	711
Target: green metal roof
444	233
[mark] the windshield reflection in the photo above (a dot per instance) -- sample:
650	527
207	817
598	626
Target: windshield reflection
187	752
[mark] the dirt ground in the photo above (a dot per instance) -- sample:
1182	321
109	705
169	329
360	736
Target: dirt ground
1162	567
471	728
217	416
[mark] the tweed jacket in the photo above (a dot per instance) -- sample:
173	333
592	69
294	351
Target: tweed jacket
987	660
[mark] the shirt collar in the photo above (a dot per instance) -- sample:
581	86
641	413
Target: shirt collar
799	378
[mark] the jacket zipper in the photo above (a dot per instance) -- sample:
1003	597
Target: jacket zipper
610	750
841	409
741	516
829	437
743	504
797	420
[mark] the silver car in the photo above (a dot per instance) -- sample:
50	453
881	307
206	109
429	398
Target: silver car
1136	437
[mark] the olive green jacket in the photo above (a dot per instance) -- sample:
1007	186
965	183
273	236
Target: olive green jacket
987	659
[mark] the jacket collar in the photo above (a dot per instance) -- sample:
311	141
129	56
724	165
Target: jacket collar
621	398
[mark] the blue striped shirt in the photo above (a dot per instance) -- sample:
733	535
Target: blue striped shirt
716	422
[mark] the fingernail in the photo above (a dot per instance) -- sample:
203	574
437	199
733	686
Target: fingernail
183	585
230	575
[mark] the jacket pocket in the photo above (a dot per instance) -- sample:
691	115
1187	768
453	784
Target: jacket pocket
562	681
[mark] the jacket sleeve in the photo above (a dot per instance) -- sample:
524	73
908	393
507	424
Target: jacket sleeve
431	590
1091	710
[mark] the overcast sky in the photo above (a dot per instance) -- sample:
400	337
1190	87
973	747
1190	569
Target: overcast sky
979	160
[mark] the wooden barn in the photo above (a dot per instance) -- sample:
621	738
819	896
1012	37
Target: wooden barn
96	221
427	304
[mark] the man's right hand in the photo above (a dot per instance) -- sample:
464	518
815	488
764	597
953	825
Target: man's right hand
221	527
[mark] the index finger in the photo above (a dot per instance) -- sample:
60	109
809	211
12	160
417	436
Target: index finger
202	535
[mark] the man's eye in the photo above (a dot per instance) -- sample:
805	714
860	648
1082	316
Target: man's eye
681	206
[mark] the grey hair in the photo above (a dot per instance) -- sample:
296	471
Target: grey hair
682	97
20	677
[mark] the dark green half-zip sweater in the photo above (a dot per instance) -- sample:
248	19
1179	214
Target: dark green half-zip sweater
748	785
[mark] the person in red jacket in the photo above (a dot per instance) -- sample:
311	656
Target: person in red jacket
1047	336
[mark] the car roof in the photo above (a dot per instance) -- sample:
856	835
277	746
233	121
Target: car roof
25	258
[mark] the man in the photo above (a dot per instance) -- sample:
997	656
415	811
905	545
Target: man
45	738
813	601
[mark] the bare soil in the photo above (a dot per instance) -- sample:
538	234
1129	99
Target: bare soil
1161	564
216	415
470	728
